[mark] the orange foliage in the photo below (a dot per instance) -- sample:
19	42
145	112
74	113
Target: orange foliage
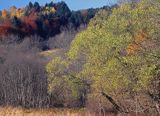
132	48
140	37
4	13
13	11
6	30
19	13
29	22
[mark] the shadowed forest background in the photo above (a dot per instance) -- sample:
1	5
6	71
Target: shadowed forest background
101	60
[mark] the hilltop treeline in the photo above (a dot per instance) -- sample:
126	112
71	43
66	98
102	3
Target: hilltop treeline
45	21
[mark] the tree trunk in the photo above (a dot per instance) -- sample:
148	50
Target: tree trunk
157	108
112	101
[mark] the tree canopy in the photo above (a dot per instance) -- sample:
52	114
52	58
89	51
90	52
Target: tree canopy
120	52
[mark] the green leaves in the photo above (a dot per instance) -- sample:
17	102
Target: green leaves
64	85
118	51
105	42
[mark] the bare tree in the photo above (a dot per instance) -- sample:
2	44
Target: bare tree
22	79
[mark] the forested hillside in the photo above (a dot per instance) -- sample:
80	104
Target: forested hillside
105	60
45	21
40	25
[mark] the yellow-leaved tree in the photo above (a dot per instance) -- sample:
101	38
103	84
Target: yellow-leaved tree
13	10
5	14
119	55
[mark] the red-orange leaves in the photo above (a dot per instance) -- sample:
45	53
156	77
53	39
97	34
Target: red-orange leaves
139	38
132	48
29	23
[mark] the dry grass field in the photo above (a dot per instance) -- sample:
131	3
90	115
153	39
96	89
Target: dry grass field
10	111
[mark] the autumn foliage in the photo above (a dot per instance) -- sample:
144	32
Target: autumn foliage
139	38
45	21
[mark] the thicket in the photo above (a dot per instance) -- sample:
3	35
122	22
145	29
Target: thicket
23	81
